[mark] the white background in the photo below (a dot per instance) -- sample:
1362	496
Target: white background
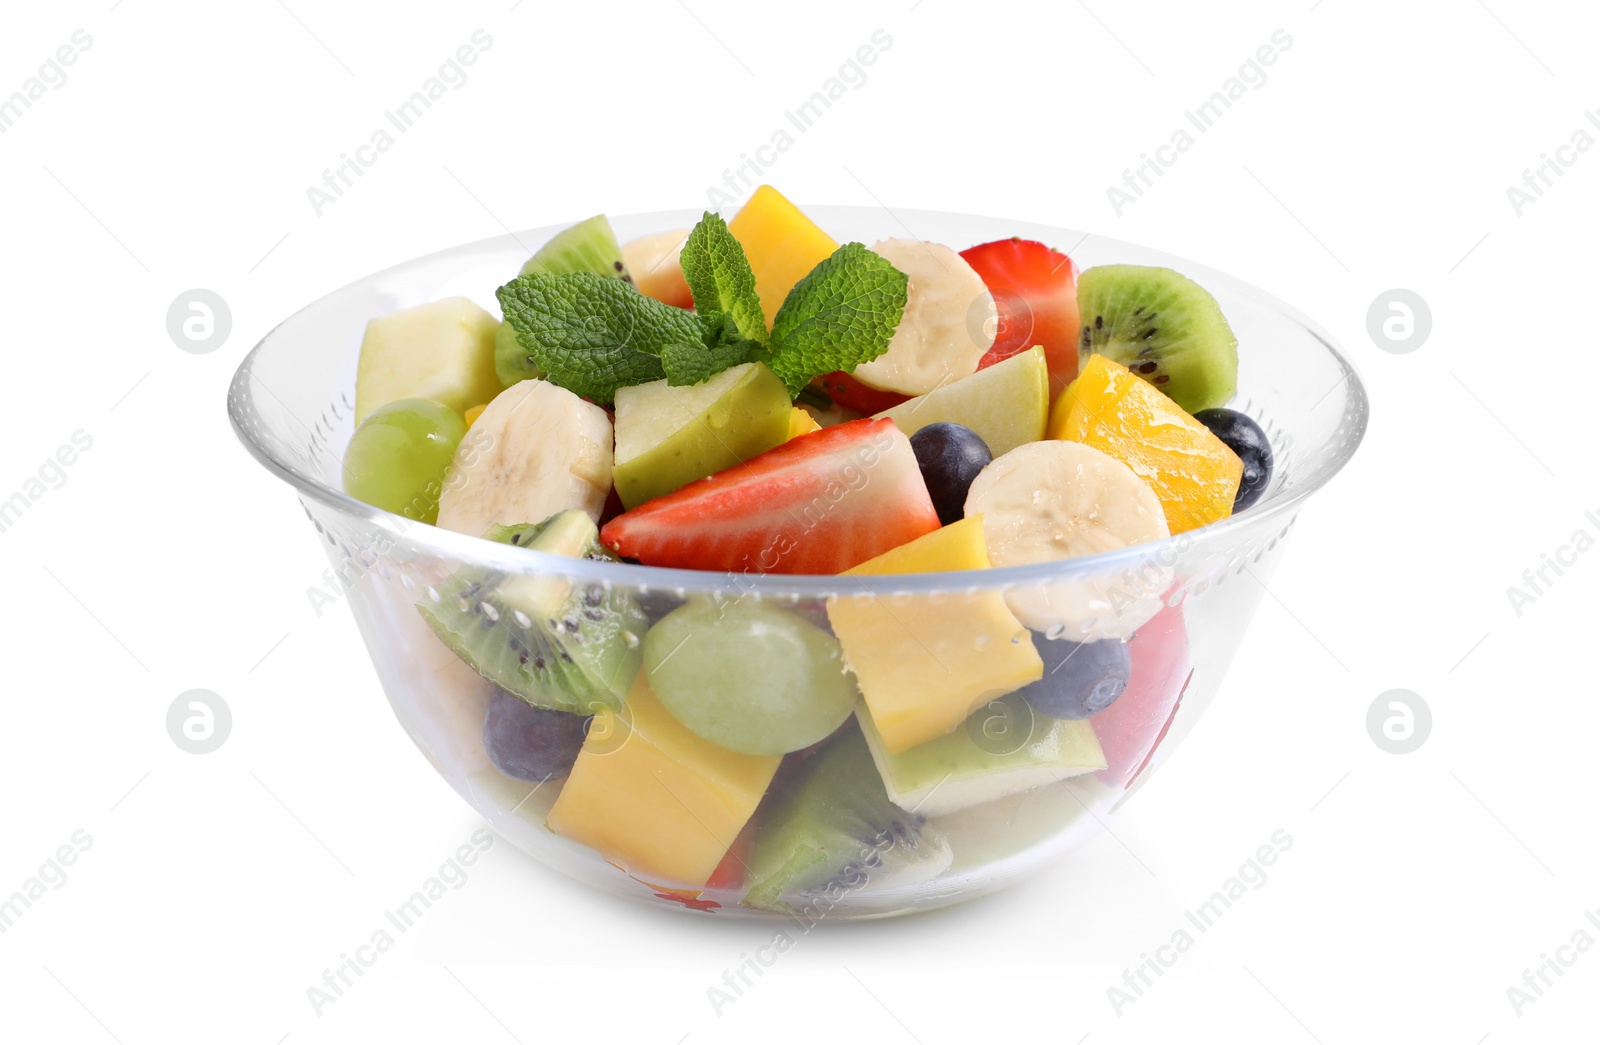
1377	155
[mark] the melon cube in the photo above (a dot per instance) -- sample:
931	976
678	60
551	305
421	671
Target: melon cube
924	663
654	798
783	245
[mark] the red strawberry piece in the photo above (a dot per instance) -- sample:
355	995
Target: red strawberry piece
1132	727
851	394
819	504
1035	292
729	874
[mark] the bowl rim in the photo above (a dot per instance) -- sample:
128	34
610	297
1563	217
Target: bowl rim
465	549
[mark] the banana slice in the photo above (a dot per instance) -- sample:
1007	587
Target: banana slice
536	450
947	326
1054	500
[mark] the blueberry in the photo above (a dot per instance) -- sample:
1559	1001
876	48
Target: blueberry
530	743
1245	438
950	456
1080	678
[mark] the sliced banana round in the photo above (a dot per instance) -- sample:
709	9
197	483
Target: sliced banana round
937	341
535	451
1054	500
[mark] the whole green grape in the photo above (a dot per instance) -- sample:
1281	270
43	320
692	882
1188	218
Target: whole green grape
751	678
398	457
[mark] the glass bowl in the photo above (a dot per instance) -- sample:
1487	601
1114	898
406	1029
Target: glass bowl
825	841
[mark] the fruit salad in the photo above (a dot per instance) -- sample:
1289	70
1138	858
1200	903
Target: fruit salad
750	397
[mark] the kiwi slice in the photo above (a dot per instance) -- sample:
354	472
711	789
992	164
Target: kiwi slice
588	246
557	643
831	830
1164	327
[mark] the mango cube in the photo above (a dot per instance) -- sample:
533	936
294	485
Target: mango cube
801	423
1192	472
654	798
783	245
925	663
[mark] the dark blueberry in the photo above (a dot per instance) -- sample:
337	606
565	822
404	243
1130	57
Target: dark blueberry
1245	438
530	743
1080	678
657	603
950	456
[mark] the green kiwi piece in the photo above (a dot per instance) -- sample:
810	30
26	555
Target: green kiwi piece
830	830
1164	327
588	246
557	643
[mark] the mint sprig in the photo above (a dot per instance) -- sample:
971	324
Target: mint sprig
842	314
720	278
593	335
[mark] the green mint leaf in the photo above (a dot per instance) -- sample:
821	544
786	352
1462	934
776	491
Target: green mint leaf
723	347
594	334
842	314
719	277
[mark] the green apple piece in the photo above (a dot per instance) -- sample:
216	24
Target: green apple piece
1006	404
668	437
442	351
1004	748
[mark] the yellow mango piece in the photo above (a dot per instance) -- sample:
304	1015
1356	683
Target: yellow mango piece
474	412
783	245
1193	473
926	663
654	798
801	423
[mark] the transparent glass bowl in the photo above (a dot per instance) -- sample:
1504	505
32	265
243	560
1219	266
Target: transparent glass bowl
290	403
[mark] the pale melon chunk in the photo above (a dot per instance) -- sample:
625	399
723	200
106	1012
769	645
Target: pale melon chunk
442	351
924	663
1005	748
1007	404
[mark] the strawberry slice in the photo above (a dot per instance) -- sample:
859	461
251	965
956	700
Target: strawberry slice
1133	727
820	503
1035	292
851	394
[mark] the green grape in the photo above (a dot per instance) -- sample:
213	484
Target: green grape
751	678
398	457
